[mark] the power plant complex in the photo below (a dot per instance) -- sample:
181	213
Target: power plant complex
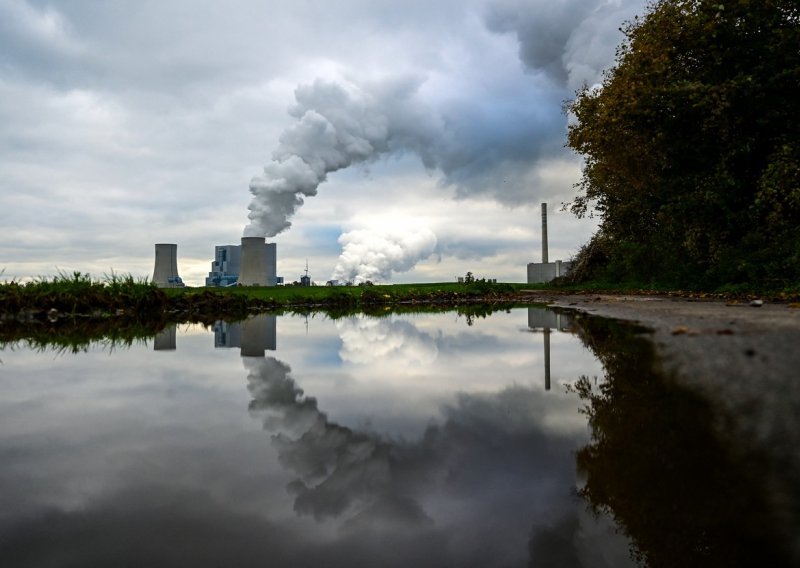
253	263
546	271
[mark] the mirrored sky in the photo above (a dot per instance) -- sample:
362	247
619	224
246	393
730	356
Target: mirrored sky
387	441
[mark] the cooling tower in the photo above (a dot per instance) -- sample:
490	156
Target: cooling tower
165	273
258	334
253	262
165	340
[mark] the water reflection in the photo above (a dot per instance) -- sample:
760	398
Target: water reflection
254	335
367	339
490	473
418	441
166	339
545	321
685	490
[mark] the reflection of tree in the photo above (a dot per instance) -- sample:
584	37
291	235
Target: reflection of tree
657	464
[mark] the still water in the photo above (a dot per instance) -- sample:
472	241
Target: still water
406	440
295	441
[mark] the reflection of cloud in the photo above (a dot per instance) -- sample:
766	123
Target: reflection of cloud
488	458
367	339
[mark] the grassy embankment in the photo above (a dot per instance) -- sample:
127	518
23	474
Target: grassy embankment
74	310
78	309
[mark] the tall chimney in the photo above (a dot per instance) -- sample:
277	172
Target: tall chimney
165	273
253	270
544	233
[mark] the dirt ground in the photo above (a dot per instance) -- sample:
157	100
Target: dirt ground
713	341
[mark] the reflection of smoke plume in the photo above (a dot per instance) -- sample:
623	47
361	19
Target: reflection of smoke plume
346	466
368	339
375	255
488	443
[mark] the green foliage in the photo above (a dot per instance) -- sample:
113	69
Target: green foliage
79	294
691	147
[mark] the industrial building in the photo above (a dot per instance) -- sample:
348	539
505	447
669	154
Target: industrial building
253	336
546	320
165	272
225	266
253	263
546	271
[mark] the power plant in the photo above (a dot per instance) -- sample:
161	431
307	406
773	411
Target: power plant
253	263
257	262
165	273
546	271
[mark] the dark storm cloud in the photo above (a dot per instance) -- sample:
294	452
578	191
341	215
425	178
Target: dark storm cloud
542	28
150	525
570	41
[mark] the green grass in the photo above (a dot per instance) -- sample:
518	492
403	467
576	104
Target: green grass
79	296
291	296
69	312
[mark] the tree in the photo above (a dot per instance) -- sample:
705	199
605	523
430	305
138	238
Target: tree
691	146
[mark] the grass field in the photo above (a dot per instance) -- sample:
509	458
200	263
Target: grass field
78	295
378	294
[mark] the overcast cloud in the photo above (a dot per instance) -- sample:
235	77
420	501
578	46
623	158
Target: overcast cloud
124	124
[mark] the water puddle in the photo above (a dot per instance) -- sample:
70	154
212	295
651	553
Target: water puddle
519	437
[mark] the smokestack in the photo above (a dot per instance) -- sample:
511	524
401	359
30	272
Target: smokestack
546	358
253	262
544	233
165	273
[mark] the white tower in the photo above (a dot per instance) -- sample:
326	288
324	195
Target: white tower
254	262
165	273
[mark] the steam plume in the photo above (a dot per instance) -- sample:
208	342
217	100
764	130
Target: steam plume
376	255
336	128
484	139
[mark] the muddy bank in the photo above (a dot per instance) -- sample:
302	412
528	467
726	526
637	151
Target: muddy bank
716	341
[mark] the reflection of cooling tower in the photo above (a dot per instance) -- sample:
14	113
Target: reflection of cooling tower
257	334
165	340
254	262
165	273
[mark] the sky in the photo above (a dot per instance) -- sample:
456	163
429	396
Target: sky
396	141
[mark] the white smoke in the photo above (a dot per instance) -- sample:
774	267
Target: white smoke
375	255
337	126
482	137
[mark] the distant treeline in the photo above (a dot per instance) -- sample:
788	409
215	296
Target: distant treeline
692	153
